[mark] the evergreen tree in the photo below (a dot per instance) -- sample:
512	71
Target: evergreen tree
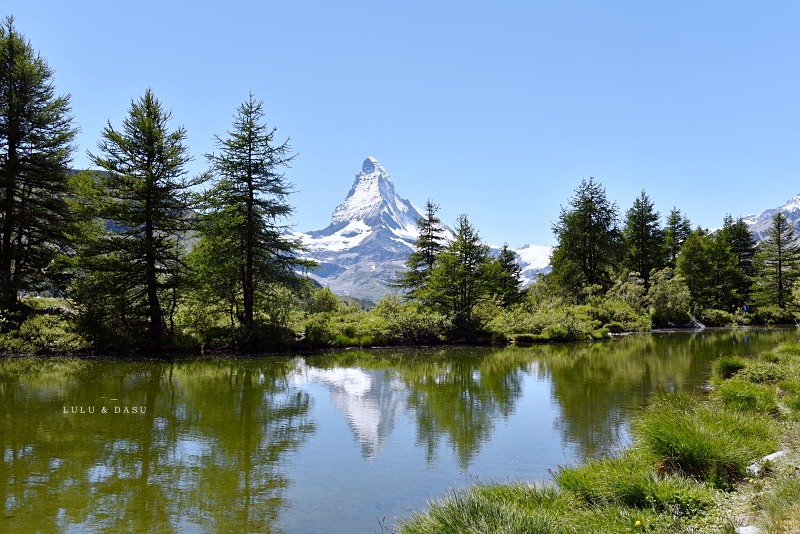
778	258
740	239
644	239
724	276
36	136
248	203
676	232
694	266
708	266
426	249
588	241
458	281
147	207
506	277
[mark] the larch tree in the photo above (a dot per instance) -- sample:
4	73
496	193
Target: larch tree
778	258
430	242
147	207
459	280
588	247
250	200
506	277
677	230
740	239
644	239
36	136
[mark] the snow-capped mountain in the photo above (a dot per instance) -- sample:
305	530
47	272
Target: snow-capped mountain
534	260
369	238
371	235
760	224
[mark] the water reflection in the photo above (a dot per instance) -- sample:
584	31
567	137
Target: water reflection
302	444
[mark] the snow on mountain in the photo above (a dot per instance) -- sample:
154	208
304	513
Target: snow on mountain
368	240
371	235
534	260
760	224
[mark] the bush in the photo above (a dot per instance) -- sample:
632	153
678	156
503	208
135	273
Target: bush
614	328
712	317
42	334
762	373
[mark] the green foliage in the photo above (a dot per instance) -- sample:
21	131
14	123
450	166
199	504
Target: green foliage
614	328
712	317
138	264
246	251
700	441
669	299
645	248
738	394
427	248
458	281
588	241
504	278
728	366
43	334
36	135
742	243
631	480
391	322
676	231
777	260
475	512
763	373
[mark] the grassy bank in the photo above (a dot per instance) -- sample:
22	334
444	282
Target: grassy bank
688	470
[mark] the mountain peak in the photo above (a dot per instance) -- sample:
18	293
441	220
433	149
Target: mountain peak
373	200
370	165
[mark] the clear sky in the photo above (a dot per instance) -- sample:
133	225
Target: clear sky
495	109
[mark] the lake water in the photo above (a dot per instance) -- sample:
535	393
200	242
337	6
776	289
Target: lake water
342	442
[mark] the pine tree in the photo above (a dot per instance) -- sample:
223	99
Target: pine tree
426	249
644	239
676	231
506	277
459	279
250	200
694	266
147	205
36	136
588	241
742	243
778	258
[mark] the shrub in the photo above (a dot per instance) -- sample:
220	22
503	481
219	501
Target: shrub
614	328
600	334
712	317
762	373
42	334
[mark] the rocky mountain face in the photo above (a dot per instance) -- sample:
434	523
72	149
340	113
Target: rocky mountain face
760	224
371	235
369	238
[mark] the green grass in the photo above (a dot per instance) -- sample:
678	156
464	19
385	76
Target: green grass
728	366
701	441
631	480
685	451
744	396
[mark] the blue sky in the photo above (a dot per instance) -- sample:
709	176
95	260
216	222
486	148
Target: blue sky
497	110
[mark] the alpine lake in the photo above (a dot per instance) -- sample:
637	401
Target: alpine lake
346	441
